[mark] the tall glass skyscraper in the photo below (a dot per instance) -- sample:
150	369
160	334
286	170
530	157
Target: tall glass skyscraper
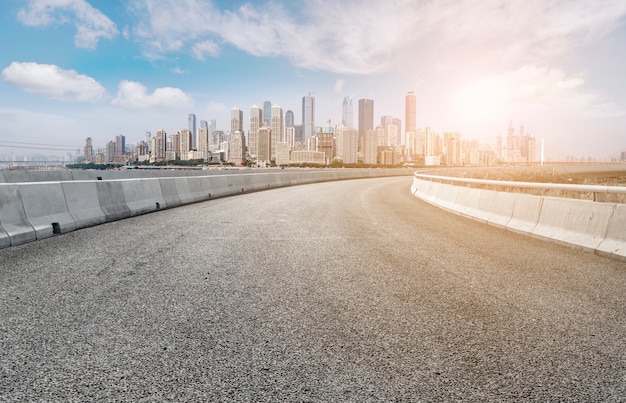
267	113
308	116
289	119
347	112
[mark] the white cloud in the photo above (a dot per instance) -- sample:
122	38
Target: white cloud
53	82
368	36
91	24
201	49
133	95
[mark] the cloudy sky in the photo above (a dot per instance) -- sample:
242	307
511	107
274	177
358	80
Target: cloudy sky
72	69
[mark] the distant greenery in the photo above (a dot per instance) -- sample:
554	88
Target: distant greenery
91	165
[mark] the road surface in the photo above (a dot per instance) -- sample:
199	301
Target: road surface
342	291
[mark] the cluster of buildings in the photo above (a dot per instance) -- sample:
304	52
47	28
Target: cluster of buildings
274	138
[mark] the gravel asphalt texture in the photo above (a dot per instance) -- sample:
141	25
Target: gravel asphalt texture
350	291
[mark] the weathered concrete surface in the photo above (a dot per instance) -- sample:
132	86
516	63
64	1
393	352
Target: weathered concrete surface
344	291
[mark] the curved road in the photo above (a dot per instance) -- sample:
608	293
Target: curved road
342	291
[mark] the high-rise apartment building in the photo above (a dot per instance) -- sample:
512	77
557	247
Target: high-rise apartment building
366	118
111	151
264	145
308	116
236	148
267	112
203	141
184	141
159	145
120	144
191	125
347	148
256	122
370	147
88	150
276	125
346	112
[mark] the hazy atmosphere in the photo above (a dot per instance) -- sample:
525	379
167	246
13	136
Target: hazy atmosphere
73	69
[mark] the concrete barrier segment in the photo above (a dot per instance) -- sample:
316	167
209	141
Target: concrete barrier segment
82	202
501	209
46	209
525	213
468	200
13	216
112	200
169	192
578	222
142	195
614	242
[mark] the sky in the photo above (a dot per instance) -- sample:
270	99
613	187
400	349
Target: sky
72	69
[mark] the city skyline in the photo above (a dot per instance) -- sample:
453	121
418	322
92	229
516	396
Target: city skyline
99	69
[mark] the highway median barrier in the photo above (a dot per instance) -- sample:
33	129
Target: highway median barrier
46	208
13	216
82	202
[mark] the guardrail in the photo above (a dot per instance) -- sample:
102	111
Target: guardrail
587	224
599	192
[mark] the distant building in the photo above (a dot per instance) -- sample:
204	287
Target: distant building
347	111
276	125
308	157
308	116
236	120
366	118
120	144
191	126
237	148
88	150
410	114
256	122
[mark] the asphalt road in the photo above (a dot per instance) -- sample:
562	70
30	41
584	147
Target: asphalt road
344	291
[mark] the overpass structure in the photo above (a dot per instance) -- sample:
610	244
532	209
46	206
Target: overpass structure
589	224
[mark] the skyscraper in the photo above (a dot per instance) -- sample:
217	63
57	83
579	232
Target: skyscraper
191	125
289	119
267	112
256	122
88	150
346	112
276	127
308	116
366	118
410	113
120	144
236	120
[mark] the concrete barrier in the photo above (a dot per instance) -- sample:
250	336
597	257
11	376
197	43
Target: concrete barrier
47	206
614	242
13	216
142	195
525	213
112	200
169	192
596	226
82	202
46	209
577	222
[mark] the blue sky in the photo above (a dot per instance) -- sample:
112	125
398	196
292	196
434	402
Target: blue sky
72	69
